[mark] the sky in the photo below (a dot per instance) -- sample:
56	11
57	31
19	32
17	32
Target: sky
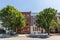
31	5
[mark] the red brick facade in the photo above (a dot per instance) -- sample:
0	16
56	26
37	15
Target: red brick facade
26	29
27	16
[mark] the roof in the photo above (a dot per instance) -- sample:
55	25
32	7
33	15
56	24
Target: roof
26	12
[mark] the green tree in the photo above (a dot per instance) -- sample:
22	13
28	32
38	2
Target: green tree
12	18
54	26
45	17
54	23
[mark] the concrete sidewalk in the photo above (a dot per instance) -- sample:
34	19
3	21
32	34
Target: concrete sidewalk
23	34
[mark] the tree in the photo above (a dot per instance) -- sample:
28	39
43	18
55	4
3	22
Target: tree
54	26
45	17
12	18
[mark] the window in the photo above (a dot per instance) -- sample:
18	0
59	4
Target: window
28	19
28	15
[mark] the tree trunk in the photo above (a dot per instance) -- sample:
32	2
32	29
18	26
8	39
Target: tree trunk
48	31
16	29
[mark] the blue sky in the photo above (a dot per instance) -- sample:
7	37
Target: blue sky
31	5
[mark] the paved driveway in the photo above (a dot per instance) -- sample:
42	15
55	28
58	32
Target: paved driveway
23	37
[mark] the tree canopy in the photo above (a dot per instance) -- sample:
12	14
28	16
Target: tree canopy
11	17
45	17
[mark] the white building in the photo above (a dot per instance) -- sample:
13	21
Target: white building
58	17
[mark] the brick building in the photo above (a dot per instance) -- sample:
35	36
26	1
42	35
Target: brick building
27	16
26	29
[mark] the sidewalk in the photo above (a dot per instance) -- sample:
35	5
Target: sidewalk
55	34
23	34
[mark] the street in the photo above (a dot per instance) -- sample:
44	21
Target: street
29	38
